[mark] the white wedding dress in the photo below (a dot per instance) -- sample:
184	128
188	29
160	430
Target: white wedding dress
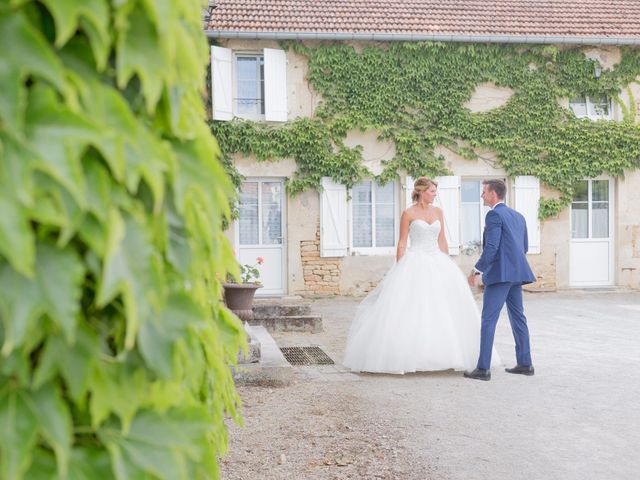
421	317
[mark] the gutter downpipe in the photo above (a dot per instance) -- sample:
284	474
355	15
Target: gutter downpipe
402	37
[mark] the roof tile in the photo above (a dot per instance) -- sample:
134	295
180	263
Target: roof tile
609	18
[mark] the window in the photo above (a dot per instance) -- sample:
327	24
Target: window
260	216
249	88
373	217
594	108
472	214
250	85
590	210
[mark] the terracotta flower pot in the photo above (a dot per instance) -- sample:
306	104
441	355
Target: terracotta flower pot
239	298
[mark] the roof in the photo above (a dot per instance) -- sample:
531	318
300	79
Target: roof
578	19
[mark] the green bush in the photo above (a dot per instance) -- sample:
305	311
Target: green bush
114	344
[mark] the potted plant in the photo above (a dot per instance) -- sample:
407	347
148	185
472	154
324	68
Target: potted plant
238	296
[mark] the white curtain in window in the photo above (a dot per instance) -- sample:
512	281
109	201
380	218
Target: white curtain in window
579	220
385	215
248	218
272	213
600	208
362	209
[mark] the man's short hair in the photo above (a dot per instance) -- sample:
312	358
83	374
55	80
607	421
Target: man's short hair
497	186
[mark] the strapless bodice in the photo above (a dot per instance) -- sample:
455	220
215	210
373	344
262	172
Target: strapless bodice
423	235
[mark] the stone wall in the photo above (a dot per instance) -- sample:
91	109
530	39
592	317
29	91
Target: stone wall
321	275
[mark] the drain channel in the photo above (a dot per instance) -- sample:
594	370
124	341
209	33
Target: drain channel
306	356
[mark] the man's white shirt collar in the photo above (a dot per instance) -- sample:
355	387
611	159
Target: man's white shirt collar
496	205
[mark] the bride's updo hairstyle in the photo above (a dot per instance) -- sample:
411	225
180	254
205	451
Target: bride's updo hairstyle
419	186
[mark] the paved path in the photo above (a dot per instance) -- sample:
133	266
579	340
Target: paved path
577	418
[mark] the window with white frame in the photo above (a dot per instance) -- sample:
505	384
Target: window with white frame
365	224
373	216
595	107
472	214
249	84
464	211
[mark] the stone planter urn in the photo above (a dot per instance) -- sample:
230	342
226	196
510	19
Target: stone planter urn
239	298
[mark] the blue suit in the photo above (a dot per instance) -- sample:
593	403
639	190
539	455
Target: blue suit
505	269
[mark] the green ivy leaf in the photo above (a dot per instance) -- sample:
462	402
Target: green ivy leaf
29	55
59	136
54	291
16	236
132	269
67	15
118	389
157	337
87	462
74	362
159	445
19	428
54	422
138	53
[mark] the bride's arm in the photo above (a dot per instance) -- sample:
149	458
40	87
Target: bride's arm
404	234
442	238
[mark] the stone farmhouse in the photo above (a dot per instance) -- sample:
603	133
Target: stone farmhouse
338	239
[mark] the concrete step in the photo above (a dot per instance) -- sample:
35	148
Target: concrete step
272	369
290	323
253	344
271	310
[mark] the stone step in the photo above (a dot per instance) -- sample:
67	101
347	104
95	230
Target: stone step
290	323
272	369
271	310
253	347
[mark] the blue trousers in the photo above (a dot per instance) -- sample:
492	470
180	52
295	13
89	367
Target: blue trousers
494	299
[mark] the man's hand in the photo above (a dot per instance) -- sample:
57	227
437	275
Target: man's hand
472	279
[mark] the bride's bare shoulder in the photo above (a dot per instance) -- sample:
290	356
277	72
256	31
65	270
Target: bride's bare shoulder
409	213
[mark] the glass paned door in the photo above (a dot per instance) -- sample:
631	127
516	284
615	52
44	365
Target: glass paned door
260	231
591	235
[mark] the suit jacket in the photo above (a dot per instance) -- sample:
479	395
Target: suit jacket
504	248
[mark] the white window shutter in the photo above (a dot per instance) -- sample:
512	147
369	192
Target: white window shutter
408	191
448	200
222	83
527	201
333	219
275	85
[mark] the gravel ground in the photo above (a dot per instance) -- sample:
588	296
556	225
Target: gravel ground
577	418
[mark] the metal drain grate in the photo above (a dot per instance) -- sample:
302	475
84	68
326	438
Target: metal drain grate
306	356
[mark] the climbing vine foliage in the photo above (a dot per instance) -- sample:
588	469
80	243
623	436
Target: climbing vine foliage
414	95
114	346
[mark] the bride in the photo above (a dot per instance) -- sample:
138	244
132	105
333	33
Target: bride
422	315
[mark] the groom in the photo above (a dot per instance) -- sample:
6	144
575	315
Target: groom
504	269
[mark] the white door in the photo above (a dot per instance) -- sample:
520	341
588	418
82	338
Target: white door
260	231
591	251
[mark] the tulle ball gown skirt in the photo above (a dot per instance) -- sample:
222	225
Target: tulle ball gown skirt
421	317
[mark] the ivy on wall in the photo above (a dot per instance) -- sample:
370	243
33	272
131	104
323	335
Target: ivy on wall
115	344
414	95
